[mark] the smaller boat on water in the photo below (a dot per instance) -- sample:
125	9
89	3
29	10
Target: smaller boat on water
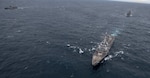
129	13
11	8
102	49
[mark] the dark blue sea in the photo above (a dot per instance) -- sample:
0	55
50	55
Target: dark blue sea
56	39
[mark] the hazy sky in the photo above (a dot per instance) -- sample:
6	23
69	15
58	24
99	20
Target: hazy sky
138	1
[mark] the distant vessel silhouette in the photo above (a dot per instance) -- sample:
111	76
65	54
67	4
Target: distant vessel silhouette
102	49
129	13
11	7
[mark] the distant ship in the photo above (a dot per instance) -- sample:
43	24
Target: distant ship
102	49
129	14
11	8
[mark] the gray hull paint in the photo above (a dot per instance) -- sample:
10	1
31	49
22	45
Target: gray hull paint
102	50
11	8
129	14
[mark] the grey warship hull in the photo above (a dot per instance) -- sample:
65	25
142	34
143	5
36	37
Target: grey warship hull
102	50
11	8
129	14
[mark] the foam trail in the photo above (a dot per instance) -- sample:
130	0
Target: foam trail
116	32
110	57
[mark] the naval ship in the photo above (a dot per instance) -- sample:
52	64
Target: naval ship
11	8
102	49
129	14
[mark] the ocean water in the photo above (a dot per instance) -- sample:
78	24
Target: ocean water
56	39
